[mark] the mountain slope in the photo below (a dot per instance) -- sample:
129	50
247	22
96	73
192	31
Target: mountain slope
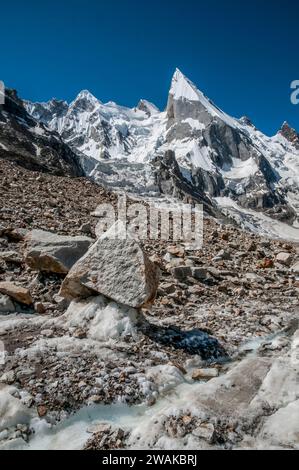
223	156
100	131
217	158
31	144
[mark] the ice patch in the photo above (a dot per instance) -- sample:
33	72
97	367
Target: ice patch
104	320
12	411
2	146
258	222
37	130
197	125
241	169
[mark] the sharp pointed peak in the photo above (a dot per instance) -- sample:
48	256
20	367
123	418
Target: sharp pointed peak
182	87
86	94
287	128
178	74
285	125
289	133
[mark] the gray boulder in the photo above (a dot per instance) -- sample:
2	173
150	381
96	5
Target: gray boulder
117	269
11	257
201	274
284	258
6	305
53	253
181	273
295	268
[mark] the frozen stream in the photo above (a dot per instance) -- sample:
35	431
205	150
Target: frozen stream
72	433
144	423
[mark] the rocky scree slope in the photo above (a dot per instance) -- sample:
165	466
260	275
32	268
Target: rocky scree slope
220	315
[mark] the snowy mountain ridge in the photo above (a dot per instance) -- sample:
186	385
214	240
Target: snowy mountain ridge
224	159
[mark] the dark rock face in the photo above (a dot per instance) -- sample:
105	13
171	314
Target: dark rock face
225	144
211	183
228	143
170	181
290	134
31	144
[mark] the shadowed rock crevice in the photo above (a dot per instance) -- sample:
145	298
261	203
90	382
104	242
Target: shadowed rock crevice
193	342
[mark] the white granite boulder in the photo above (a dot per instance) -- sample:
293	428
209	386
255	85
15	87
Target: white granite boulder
117	269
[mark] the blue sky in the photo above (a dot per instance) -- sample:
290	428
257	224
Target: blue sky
243	56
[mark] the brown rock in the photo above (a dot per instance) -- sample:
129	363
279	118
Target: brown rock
205	374
176	251
18	293
42	411
39	308
225	236
267	263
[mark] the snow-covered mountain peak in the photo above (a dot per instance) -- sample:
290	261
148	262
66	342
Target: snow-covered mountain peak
149	108
216	157
103	132
85	99
86	94
45	112
183	88
187	101
54	103
246	121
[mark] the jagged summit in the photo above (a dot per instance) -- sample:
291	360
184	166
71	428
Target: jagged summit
55	101
201	108
182	87
148	107
45	112
216	156
85	97
286	127
246	121
290	134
